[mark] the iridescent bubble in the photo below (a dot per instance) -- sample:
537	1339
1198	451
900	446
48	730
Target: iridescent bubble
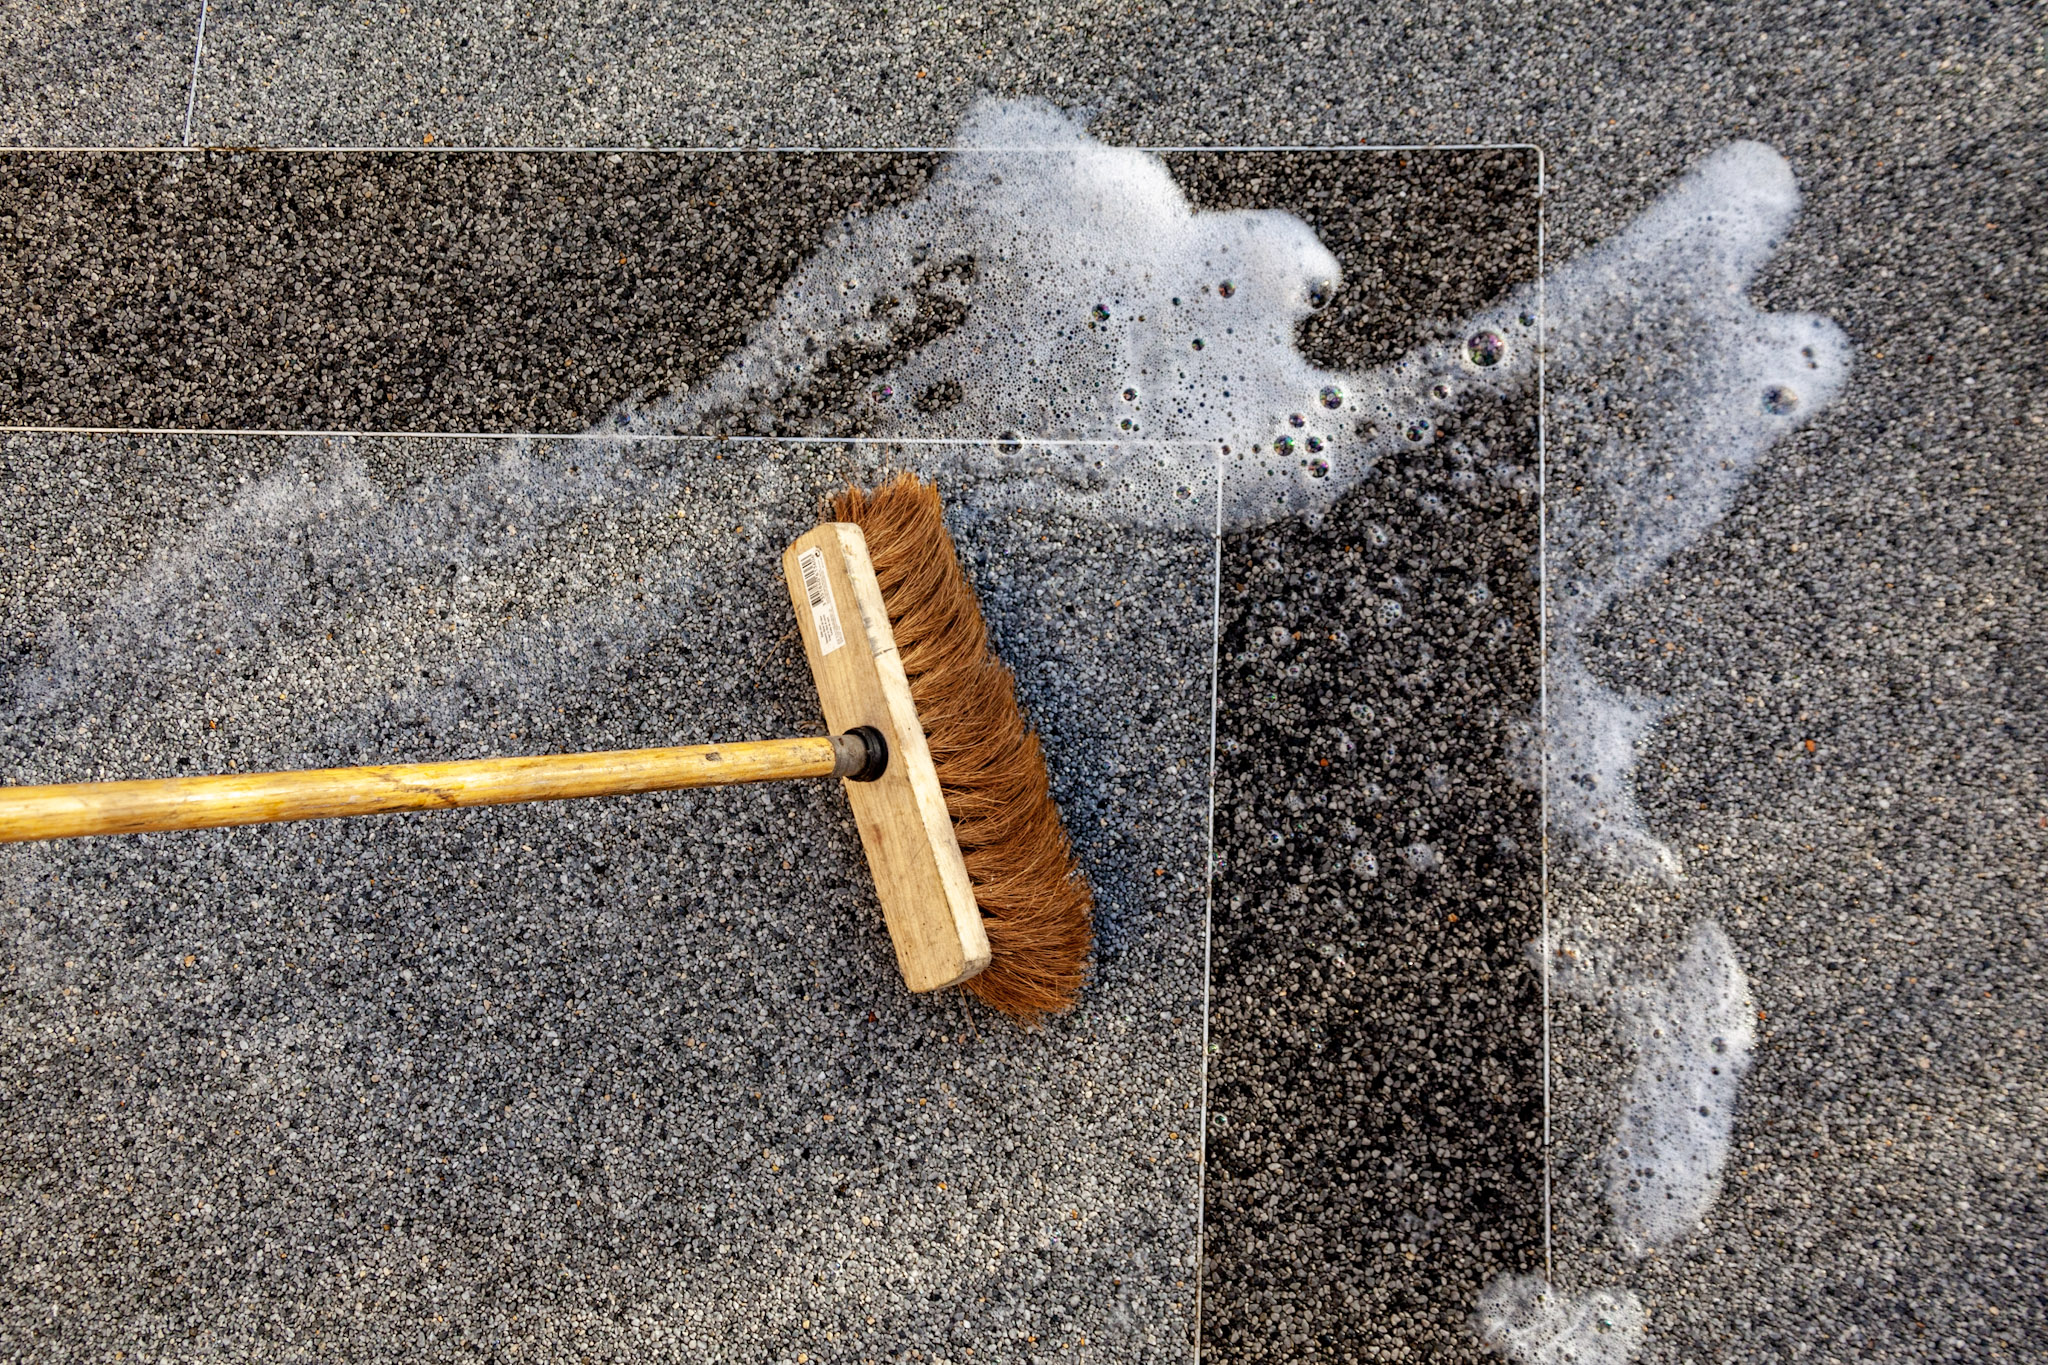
1390	610
1319	292
1183	492
1440	392
1275	838
1278	635
1527	318
1420	430
1101	312
1363	864
1779	400
1130	395
1485	349
1295	419
1319	469
1332	396
1315	445
885	393
1283	445
1196	343
1226	289
1128	425
1378	534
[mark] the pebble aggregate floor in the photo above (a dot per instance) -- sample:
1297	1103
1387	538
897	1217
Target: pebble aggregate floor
1854	772
377	292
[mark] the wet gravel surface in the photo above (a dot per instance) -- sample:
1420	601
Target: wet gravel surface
611	1075
399	292
1376	1086
1887	1197
1375	1081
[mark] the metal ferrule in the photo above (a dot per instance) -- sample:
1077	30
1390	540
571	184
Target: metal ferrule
860	755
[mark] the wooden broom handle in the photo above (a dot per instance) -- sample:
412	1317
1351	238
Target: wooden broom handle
72	809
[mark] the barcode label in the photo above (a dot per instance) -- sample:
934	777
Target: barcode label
818	588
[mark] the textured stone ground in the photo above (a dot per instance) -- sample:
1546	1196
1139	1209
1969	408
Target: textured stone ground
1876	590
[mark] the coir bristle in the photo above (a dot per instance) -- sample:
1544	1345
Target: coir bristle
1034	902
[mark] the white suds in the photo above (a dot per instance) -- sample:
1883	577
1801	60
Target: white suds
1593	738
1047	288
1534	1324
1694	1031
1666	385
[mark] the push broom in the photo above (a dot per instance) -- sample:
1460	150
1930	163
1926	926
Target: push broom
972	866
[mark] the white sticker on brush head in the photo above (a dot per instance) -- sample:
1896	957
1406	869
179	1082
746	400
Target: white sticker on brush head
818	592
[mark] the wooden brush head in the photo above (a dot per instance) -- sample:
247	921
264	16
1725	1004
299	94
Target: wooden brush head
920	877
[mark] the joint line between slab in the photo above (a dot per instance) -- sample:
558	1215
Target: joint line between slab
1543	703
192	90
647	149
1208	904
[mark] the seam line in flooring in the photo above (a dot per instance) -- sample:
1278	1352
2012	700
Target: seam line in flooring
192	87
1543	699
676	149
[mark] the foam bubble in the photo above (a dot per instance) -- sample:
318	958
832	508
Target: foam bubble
1534	1323
1694	1029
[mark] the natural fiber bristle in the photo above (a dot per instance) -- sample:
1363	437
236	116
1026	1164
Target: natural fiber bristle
1034	902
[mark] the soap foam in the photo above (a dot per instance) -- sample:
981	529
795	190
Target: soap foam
1693	1030
1666	386
1048	288
1533	1323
